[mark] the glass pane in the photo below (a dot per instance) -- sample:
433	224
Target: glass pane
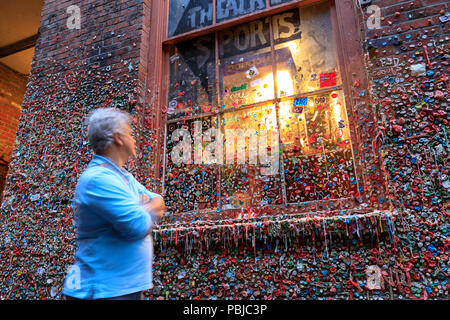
276	2
190	178
192	87
228	9
250	172
312	65
245	66
305	177
315	124
246	79
341	180
317	154
187	15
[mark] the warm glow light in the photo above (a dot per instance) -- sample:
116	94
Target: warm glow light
336	108
285	113
266	89
285	85
293	48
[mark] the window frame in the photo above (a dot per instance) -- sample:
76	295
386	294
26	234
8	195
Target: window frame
351	68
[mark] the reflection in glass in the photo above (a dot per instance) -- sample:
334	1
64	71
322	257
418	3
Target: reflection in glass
312	48
192	87
187	15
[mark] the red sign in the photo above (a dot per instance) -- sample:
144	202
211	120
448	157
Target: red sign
328	79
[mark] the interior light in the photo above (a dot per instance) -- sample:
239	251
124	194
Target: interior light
293	47
285	85
284	82
336	110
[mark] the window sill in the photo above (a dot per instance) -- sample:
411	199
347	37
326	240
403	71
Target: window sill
353	223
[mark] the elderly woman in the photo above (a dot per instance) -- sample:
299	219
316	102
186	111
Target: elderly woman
114	216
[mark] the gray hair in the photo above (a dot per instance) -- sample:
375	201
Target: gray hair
102	124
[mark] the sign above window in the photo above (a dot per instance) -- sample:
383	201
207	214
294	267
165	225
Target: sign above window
188	15
277	2
228	9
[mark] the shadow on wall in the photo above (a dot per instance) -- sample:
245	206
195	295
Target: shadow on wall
12	92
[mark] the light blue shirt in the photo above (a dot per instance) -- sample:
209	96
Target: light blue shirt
115	251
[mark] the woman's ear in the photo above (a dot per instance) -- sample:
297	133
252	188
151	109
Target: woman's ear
117	139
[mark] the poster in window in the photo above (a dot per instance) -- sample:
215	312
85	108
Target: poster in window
277	2
248	78
255	35
246	62
312	48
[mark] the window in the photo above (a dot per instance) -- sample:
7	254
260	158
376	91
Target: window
261	113
256	112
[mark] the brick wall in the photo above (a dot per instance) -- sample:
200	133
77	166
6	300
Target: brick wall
12	86
73	72
8	126
12	90
105	63
414	106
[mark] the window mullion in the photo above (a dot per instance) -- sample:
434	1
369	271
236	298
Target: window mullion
219	116
275	88
214	12
274	61
216	46
164	159
267	4
218	165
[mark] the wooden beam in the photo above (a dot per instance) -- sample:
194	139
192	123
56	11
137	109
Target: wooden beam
18	46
